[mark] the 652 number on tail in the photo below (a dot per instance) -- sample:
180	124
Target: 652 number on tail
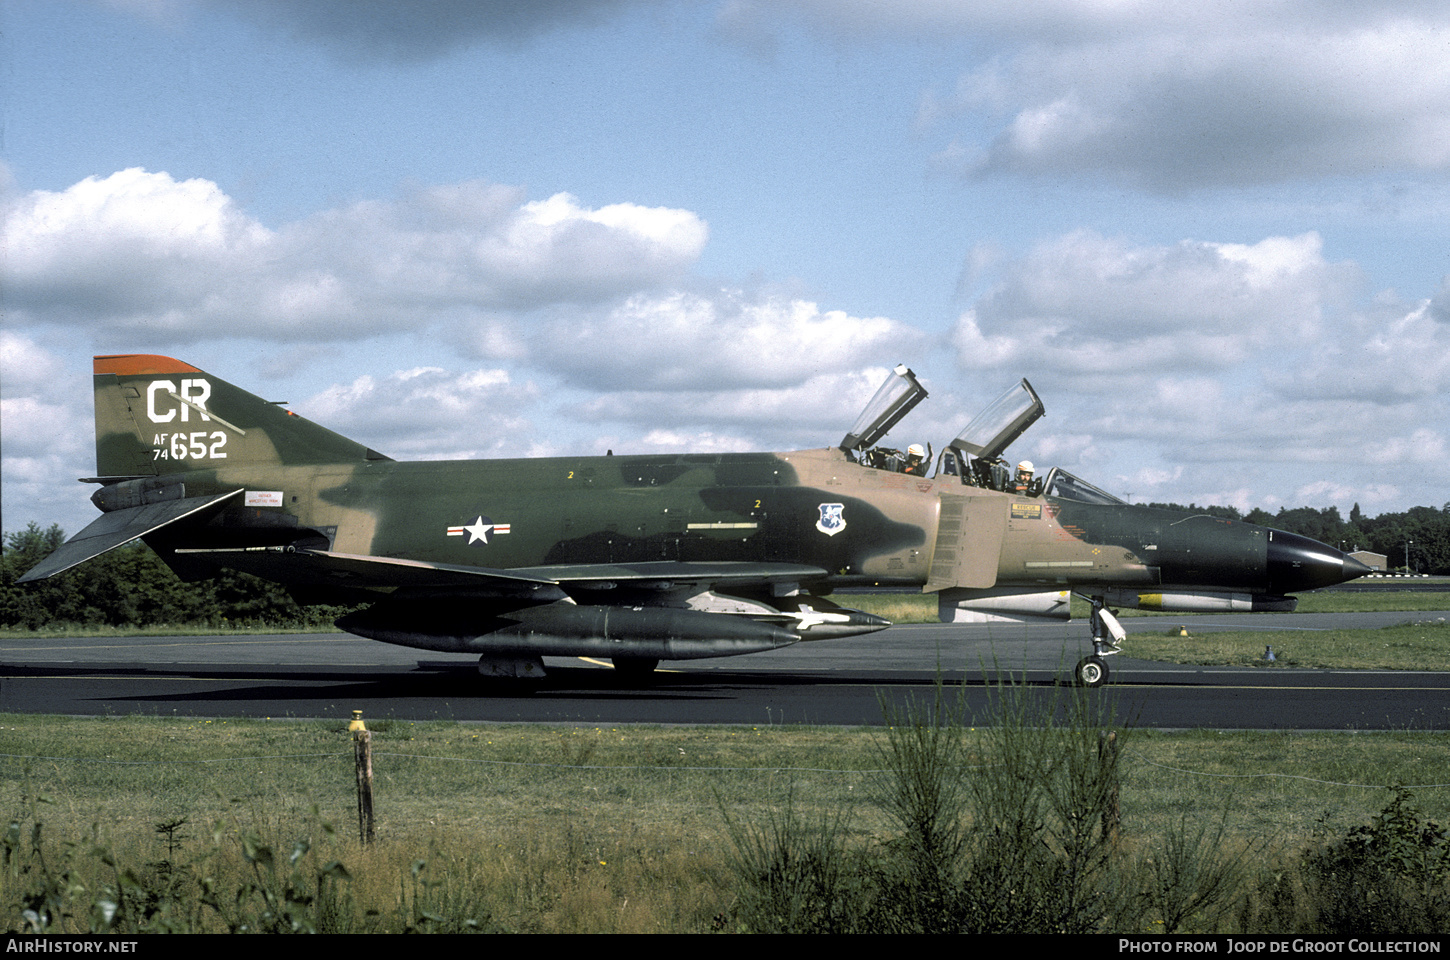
199	445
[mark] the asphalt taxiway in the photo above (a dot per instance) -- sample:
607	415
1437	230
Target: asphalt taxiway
847	681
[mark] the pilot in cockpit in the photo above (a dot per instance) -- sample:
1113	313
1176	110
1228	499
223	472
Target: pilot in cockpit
915	460
1022	484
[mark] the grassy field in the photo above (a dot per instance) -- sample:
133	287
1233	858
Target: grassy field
573	829
1417	645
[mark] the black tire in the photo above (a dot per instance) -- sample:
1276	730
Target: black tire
1091	672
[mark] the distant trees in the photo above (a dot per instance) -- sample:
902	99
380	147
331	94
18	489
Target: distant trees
132	586
1227	513
1425	529
1325	525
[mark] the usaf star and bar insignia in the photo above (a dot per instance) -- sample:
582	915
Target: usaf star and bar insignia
479	530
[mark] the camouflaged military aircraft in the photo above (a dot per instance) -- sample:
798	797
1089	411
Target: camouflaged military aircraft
648	558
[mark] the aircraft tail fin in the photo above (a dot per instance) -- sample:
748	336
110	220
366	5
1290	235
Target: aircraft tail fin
156	416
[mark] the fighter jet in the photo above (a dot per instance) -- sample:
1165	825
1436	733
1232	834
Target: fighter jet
647	558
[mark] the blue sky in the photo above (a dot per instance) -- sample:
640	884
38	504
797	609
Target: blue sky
1213	236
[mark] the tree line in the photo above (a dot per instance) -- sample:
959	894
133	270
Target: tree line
131	586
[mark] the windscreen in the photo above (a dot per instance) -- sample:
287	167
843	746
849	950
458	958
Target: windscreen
1063	485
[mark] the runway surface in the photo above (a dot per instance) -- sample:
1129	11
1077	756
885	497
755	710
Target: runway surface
829	682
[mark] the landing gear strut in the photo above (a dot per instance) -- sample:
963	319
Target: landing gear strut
1108	634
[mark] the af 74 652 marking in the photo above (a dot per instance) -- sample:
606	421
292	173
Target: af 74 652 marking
197	445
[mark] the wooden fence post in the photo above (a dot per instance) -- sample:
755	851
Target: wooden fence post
362	750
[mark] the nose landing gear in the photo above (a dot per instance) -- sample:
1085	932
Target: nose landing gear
1108	635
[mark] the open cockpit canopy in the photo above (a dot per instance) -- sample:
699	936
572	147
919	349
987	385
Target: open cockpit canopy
975	456
893	400
993	430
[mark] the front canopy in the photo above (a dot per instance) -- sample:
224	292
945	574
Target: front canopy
894	400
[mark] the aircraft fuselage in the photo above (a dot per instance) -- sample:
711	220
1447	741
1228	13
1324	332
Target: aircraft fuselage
811	507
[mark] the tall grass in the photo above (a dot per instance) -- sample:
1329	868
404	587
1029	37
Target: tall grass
1012	831
929	823
1018	831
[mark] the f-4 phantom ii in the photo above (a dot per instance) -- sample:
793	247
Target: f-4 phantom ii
647	558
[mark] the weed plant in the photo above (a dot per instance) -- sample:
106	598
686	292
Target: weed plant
1195	870
799	876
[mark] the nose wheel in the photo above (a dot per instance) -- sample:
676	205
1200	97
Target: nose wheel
1091	671
1108	635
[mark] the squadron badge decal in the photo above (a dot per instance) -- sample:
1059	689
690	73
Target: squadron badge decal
479	529
831	522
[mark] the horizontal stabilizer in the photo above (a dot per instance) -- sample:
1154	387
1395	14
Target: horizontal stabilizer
118	527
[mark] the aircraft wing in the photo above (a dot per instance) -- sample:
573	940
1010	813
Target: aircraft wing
111	530
365	571
643	611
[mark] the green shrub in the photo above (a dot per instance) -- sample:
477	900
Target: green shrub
1389	877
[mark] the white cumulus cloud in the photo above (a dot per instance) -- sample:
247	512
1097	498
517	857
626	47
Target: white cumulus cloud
719	339
429	412
1087	305
1171	96
140	253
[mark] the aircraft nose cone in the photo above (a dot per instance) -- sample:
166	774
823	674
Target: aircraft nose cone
1353	569
1298	563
